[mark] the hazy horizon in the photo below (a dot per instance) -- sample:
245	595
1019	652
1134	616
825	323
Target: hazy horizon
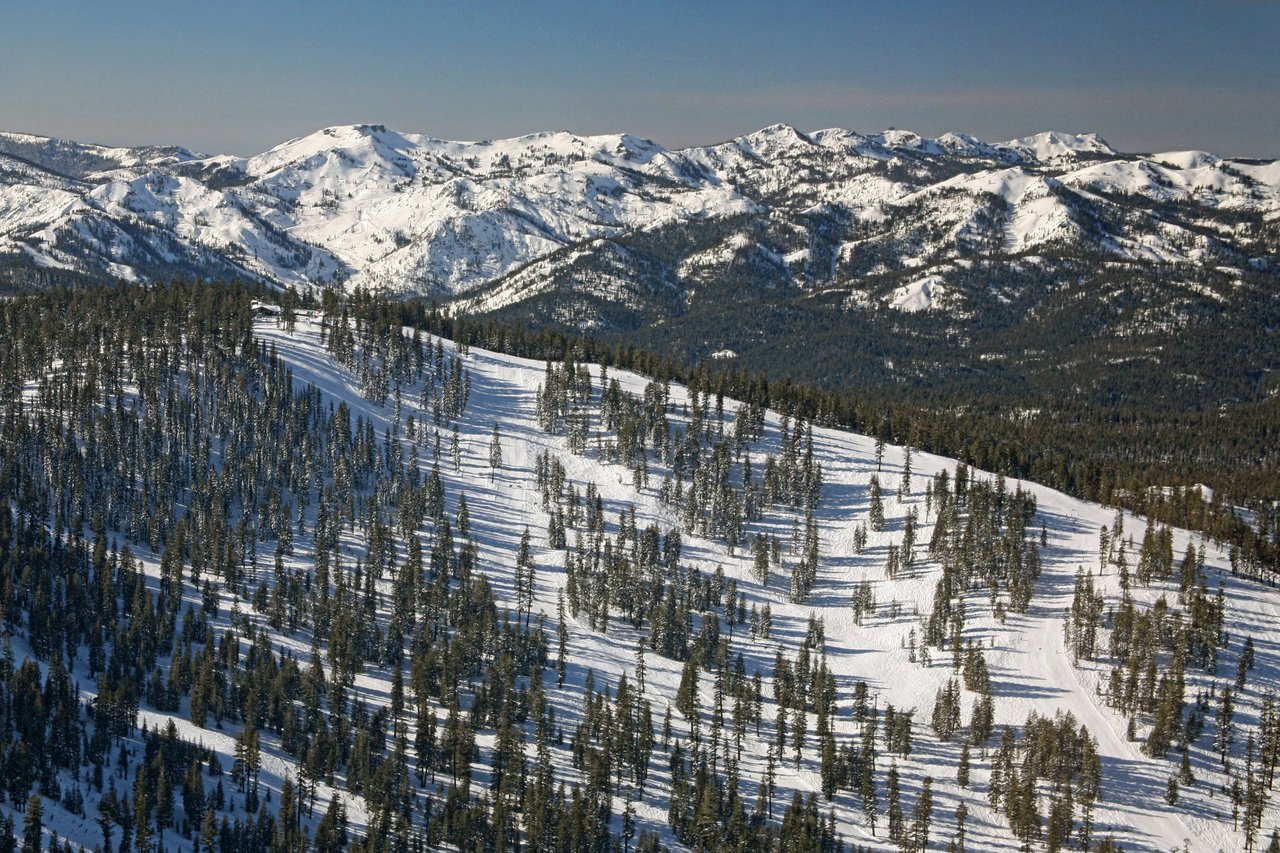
234	78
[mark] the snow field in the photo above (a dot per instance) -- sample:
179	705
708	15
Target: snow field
1030	667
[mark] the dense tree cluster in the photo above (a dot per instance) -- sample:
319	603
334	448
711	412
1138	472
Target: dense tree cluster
169	433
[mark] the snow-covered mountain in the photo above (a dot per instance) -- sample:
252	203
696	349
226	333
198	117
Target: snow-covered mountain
500	222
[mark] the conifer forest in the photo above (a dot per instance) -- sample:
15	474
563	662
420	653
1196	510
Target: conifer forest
327	571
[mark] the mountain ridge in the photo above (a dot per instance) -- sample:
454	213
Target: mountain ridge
419	215
1049	264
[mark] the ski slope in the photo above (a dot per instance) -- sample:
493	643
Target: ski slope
1031	669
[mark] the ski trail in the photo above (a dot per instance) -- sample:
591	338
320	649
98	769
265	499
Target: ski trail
1149	823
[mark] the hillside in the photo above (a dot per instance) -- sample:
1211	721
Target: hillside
949	267
297	540
833	208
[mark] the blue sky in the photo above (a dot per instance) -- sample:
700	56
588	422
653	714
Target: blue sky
238	77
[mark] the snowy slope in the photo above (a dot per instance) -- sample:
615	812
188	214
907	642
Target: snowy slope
410	213
1054	144
1031	671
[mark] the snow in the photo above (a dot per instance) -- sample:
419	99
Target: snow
1267	174
449	216
967	145
894	138
1030	667
1202	180
24	207
1054	144
769	141
1036	214
731	248
1029	661
923	294
144	157
1187	159
411	213
1010	184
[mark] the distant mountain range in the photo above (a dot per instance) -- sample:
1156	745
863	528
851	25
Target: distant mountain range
952	236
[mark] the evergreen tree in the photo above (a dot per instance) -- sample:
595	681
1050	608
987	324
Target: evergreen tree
875	518
922	816
495	452
896	817
957	843
33	825
904	488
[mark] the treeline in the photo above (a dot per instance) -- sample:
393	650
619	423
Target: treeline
1145	461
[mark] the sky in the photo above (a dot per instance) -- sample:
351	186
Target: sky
238	77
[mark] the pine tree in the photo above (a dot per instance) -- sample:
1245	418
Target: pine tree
896	817
687	692
904	488
760	553
1224	736
798	730
143	798
628	825
1245	664
922	816
33	825
867	782
524	578
495	452
164	802
957	844
828	771
104	821
640	667
208	831
562	640
876	513
1185	776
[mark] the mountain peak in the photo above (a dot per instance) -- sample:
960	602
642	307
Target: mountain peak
420	214
778	134
356	140
1055	143
895	138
